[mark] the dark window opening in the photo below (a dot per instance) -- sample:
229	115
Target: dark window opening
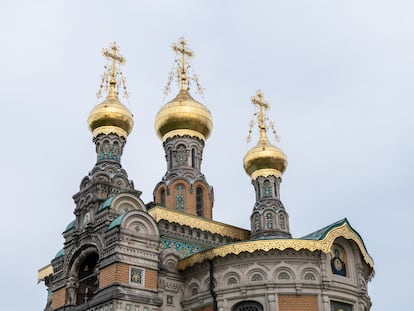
199	202
162	197
88	279
248	306
193	158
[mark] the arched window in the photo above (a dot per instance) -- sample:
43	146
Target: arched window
267	189
192	158
162	197
269	221
231	280
248	306
170	159
256	222
115	152
180	198
256	277
282	221
181	155
88	279
199	201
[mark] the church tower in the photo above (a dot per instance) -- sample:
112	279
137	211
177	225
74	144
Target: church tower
265	164
183	125
110	254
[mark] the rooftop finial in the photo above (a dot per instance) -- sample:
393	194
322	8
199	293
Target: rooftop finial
183	50
181	68
112	76
261	117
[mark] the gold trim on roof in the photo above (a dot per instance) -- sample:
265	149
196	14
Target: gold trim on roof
280	244
161	213
44	272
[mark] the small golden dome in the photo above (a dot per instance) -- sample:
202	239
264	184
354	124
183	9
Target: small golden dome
264	159
110	116
183	116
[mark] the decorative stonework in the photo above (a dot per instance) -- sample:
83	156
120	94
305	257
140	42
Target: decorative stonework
136	276
280	244
183	248
159	213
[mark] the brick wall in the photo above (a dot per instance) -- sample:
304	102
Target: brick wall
114	273
190	198
59	298
298	303
119	273
151	279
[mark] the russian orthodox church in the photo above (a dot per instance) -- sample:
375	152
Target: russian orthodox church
121	253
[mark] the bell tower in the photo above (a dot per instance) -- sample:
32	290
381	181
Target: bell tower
183	125
265	164
110	256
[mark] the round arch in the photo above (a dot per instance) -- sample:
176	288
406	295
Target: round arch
248	305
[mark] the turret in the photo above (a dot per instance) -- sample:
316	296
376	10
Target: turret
265	164
184	124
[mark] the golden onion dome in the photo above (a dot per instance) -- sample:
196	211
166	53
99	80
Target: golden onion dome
264	159
110	116
183	116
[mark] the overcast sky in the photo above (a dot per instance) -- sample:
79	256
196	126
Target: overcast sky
338	76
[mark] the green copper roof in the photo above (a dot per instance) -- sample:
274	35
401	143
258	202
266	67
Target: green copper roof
106	204
116	222
71	225
60	253
321	233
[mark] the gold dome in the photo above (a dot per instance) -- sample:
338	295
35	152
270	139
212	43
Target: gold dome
110	116
183	116
264	159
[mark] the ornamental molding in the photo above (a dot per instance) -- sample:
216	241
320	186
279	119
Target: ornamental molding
159	213
280	244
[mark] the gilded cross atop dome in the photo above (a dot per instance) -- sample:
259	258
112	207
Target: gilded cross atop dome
181	68
112	77
262	121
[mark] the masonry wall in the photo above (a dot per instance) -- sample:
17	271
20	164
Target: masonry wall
298	303
59	298
119	273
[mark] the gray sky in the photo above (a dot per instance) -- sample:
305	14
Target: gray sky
338	76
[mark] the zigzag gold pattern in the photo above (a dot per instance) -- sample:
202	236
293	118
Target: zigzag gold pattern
161	213
280	244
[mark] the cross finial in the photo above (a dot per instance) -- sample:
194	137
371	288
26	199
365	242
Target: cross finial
181	48
263	106
112	74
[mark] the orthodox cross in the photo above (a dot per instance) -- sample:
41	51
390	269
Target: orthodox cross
261	116
110	74
112	54
262	105
181	48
